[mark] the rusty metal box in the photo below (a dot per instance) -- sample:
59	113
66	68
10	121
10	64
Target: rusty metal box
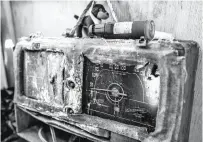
111	86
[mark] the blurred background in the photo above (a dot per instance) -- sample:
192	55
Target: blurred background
21	18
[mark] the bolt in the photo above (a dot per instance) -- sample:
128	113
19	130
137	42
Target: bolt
70	84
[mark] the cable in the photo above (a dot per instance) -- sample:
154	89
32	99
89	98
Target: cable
53	135
40	135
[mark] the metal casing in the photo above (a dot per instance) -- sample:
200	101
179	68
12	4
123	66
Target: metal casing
43	67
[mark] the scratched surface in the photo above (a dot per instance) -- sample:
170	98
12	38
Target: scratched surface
43	73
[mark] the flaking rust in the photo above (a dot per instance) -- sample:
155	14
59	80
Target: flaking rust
49	78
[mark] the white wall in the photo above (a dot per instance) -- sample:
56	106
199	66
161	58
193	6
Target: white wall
51	18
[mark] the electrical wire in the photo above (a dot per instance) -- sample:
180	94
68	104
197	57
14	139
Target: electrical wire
40	135
53	135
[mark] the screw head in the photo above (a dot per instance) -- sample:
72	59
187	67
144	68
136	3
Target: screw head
70	84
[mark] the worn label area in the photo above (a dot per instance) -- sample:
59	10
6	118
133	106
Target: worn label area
122	28
43	76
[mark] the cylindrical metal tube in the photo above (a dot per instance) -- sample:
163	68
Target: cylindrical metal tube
124	30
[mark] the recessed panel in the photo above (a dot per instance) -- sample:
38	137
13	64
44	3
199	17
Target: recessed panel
118	92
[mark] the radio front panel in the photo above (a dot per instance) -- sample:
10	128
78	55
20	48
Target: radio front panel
111	85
